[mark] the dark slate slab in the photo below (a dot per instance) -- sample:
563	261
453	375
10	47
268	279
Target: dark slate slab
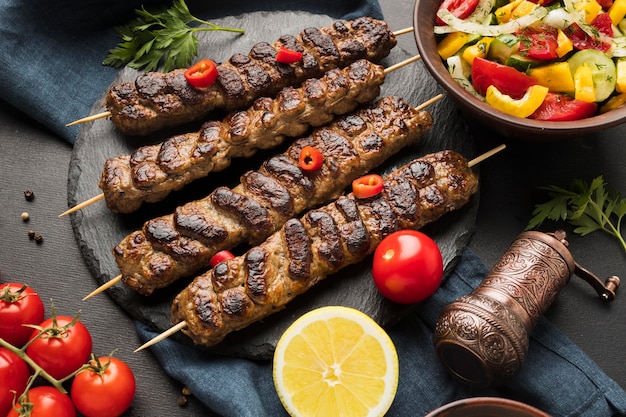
98	230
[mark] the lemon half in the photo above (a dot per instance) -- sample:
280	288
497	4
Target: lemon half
335	361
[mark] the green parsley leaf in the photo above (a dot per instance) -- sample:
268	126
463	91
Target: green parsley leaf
161	37
587	207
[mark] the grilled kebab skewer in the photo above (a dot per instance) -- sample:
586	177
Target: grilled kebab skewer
247	288
160	100
181	244
151	172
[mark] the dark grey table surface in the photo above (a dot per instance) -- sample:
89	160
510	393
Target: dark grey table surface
33	158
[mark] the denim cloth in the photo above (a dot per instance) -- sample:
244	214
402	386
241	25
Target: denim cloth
556	377
51	50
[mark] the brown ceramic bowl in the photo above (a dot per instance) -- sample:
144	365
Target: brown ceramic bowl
486	407
504	124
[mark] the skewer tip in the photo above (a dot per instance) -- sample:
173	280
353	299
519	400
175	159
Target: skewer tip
103	287
82	205
90	118
174	329
486	155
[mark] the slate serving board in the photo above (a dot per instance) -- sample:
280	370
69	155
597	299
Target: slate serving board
98	230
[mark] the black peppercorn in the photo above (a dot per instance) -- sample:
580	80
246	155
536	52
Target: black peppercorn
31	234
38	238
29	195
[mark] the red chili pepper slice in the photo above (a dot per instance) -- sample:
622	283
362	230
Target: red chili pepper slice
287	56
310	159
220	256
367	186
201	74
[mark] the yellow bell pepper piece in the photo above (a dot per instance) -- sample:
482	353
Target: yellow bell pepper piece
617	11
479	49
523	9
451	44
613	103
503	14
589	9
564	44
523	107
620	85
583	84
557	77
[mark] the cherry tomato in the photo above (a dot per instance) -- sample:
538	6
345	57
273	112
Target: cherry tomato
14	374
47	401
220	256
458	8
63	349
310	159
506	79
19	305
367	186
287	56
539	43
201	74
407	267
106	390
561	107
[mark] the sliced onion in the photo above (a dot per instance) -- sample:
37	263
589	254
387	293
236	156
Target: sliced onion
454	24
483	9
558	18
455	68
618	47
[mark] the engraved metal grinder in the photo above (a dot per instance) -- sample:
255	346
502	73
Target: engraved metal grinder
482	338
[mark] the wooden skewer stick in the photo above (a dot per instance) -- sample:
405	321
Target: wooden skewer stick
403	31
181	325
101	196
83	204
90	118
174	329
104	286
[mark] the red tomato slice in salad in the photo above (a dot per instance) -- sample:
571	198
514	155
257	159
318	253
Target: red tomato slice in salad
458	8
561	107
506	79
539	43
581	40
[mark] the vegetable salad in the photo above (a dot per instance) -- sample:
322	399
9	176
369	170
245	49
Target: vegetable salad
551	60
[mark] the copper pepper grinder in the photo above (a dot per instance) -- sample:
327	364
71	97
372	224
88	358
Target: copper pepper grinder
482	338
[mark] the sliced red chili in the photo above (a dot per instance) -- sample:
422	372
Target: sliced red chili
288	56
220	256
201	74
367	186
310	159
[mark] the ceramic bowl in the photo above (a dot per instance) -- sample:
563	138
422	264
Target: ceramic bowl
486	407
504	124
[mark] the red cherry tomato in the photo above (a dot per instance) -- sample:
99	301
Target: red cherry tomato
506	79
367	186
202	74
561	107
287	56
14	374
106	390
63	349
220	256
19	305
47	401
407	267
458	8
310	159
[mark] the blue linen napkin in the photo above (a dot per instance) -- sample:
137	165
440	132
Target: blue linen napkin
556	377
51	51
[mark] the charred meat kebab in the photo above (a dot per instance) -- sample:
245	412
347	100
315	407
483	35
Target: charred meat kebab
247	288
159	100
151	172
182	243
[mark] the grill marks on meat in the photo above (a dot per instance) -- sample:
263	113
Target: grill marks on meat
151	172
182	243
159	100
304	251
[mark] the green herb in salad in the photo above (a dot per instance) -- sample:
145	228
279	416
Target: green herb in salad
587	207
157	37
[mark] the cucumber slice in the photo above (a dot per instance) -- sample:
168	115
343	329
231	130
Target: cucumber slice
502	47
522	63
602	69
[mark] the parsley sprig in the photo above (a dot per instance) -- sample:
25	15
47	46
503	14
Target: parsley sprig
159	37
587	207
